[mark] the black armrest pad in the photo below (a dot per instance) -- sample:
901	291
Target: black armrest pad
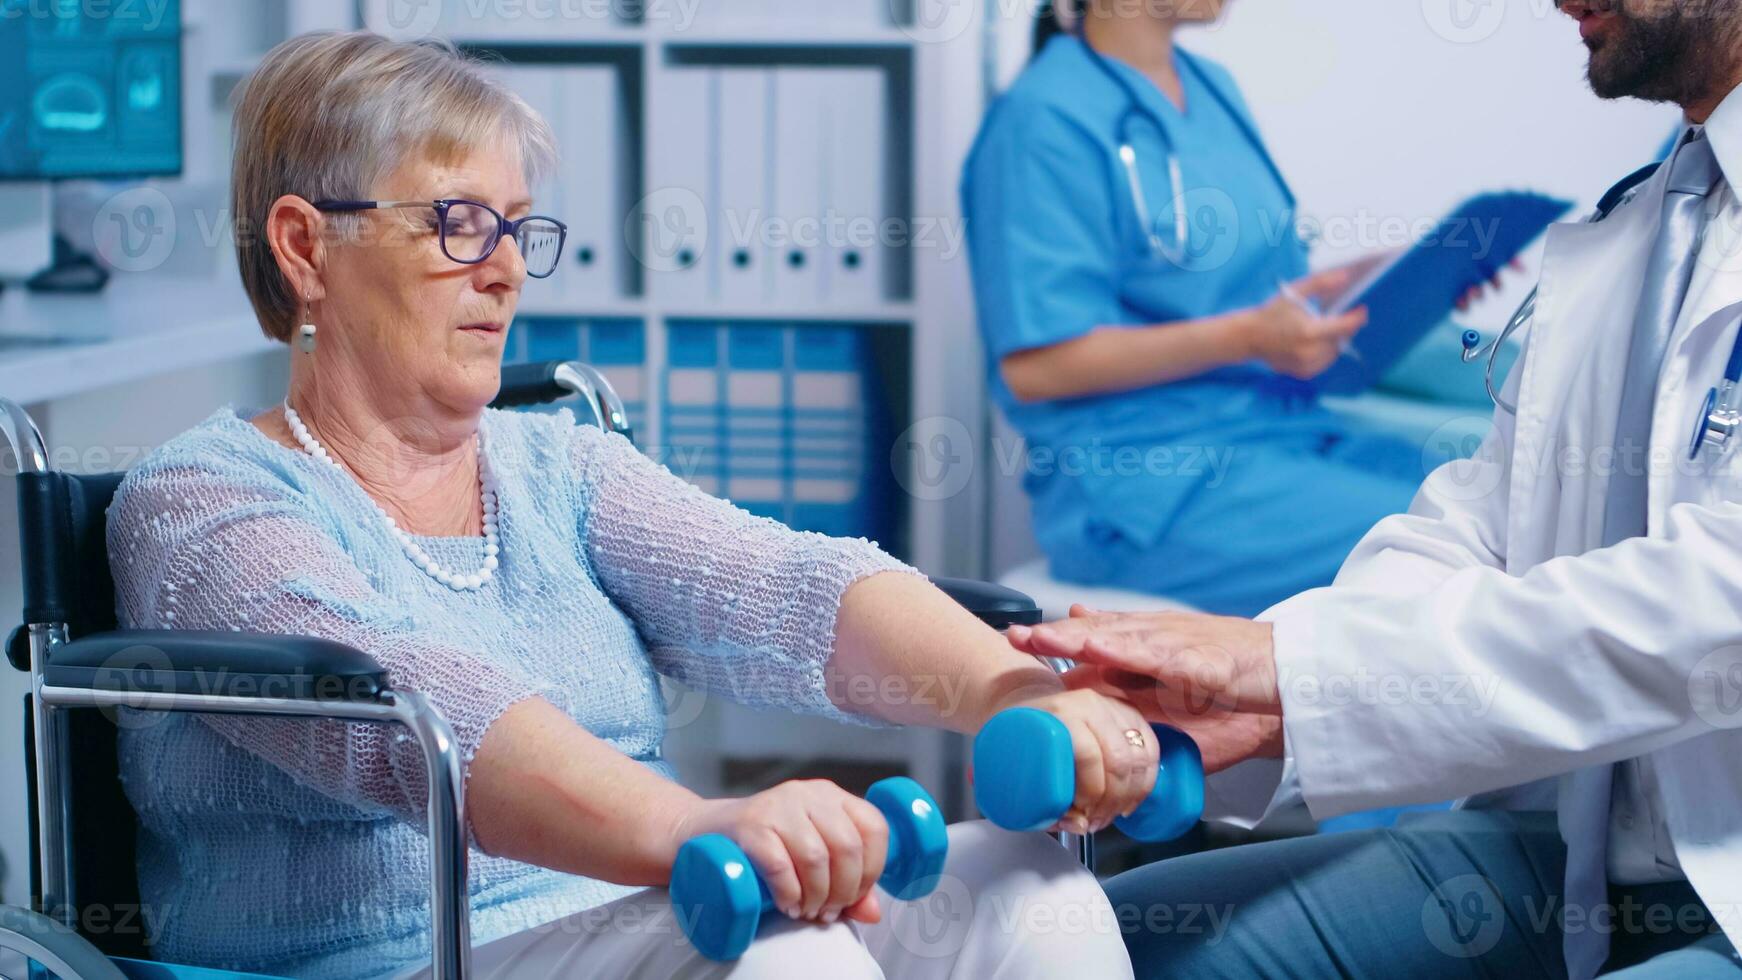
529	384
18	647
997	606
220	662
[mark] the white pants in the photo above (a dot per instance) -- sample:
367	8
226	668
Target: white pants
1008	906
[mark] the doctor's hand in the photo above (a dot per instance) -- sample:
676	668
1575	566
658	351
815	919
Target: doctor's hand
1212	677
1291	337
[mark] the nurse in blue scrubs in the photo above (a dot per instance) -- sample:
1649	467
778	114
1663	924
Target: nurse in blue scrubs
1149	327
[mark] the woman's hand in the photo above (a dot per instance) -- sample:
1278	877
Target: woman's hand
1212	677
1479	291
819	848
1113	776
1294	340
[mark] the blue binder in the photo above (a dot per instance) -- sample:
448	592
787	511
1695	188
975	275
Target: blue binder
1421	287
617	346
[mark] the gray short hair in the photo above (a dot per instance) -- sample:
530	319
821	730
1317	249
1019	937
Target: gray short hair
328	114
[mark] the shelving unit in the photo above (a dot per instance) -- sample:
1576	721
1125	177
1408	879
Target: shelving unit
918	318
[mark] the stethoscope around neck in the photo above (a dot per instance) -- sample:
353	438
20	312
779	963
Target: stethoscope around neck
1720	417
1178	251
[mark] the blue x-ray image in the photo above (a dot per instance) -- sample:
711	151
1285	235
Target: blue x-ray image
101	89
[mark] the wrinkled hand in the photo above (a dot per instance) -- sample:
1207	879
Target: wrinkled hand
1113	776
1212	677
819	847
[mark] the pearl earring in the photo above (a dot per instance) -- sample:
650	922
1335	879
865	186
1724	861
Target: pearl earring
305	334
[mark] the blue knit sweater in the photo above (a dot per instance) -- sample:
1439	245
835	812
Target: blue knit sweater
295	847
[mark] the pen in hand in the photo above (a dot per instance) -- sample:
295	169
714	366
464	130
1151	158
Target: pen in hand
1311	306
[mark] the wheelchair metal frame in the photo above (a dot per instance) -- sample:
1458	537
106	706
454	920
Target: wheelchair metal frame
445	802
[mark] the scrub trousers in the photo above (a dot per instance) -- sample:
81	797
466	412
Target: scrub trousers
1008	905
1463	893
1233	528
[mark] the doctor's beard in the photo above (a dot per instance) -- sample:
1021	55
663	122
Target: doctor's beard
1666	50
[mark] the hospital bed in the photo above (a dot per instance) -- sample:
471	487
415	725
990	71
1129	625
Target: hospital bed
85	921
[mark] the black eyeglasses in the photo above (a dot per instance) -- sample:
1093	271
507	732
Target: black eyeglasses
470	230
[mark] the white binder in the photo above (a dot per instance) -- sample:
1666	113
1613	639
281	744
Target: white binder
591	135
741	213
675	234
544	89
798	189
852	277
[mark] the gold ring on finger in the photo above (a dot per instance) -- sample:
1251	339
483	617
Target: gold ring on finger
1135	737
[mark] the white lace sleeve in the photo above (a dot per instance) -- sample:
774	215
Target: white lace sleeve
224	547
727	602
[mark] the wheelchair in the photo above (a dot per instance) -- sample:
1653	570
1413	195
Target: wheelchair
85	917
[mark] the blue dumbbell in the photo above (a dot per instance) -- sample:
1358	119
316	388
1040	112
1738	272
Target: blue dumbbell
720	898
1025	777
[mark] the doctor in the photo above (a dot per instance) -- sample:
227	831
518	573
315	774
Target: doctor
1554	629
1143	296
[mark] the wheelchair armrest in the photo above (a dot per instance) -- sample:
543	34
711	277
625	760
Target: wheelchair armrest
997	606
530	384
217	662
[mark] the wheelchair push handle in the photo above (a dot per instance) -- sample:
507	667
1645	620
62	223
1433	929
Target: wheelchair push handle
721	899
530	384
1025	776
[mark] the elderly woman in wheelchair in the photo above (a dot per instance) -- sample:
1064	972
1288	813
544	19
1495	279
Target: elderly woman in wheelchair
529	578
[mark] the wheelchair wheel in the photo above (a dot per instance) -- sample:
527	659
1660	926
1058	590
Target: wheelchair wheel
64	953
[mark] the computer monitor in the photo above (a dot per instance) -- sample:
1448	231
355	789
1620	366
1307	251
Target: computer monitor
93	89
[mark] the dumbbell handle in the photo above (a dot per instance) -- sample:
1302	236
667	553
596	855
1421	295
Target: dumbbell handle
711	877
1025	777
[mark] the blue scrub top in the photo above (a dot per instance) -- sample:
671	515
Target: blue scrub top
1056	248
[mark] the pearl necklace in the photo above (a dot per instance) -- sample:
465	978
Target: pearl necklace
420	558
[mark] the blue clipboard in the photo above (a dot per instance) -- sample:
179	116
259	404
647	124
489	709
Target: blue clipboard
1409	295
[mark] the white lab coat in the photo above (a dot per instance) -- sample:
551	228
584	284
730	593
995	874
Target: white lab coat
1570	656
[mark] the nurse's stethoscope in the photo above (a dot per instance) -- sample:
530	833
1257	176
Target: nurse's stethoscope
1179	250
1721	415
